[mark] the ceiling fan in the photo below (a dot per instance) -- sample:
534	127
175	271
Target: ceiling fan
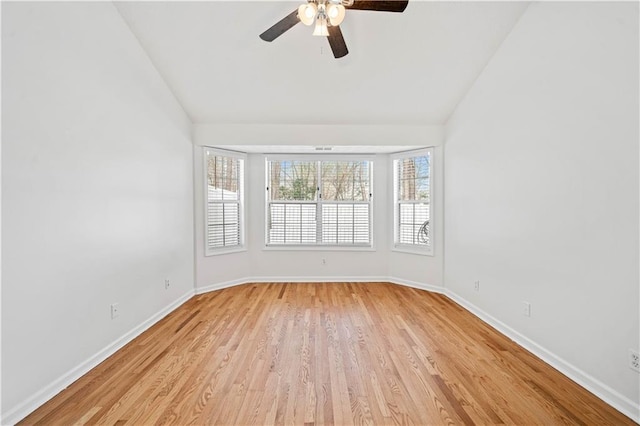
328	14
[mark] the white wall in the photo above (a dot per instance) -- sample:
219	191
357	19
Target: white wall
258	264
96	194
541	181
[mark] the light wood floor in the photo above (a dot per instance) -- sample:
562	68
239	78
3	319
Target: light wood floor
326	353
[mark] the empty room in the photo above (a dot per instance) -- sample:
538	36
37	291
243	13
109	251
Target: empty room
320	212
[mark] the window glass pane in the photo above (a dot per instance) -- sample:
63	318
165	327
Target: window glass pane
422	233
231	235
223	178
292	232
412	217
215	214
413	178
293	180
292	223
345	180
231	212
422	166
276	224
406	213
308	224
421	189
345	223
329	223
215	236
406	234
361	223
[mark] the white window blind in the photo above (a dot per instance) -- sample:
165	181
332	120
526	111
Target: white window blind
224	201
312	203
412	193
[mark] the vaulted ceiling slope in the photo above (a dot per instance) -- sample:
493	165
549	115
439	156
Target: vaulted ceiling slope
403	68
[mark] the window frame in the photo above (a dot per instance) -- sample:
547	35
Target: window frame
425	250
242	160
319	202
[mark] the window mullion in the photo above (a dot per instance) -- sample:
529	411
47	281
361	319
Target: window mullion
353	223
319	192
284	219
224	210
413	223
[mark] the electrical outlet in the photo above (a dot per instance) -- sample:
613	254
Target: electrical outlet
167	283
115	310
634	360
526	309
476	286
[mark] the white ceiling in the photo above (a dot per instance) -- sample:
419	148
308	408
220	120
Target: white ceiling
403	68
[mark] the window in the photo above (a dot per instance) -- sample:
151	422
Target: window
319	202
224	188
412	195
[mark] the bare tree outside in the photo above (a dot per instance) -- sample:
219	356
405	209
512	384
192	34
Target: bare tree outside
345	180
413	174
294	180
222	174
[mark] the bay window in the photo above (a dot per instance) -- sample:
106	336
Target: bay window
325	202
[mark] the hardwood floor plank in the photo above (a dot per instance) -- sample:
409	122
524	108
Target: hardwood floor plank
323	353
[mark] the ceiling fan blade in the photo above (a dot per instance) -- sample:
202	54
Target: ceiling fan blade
380	5
336	41
281	26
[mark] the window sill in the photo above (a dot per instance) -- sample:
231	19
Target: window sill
318	248
218	252
412	250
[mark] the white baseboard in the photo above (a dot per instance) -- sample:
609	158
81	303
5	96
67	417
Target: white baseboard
220	286
288	279
25	408
419	286
334	279
593	385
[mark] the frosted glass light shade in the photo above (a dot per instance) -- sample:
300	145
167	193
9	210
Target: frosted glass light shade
335	12
321	27
307	13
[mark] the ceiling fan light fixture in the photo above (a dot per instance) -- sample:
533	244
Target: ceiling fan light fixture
327	15
336	13
307	13
321	26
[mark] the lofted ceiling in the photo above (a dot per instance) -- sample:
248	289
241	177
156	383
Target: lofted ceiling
403	68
